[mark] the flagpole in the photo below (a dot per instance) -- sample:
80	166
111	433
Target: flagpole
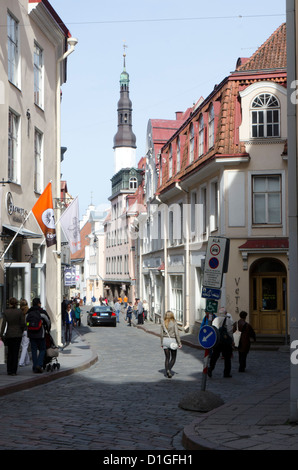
15	236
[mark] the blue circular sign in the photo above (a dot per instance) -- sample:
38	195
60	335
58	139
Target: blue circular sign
208	336
213	263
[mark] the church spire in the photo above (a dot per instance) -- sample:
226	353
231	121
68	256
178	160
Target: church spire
125	136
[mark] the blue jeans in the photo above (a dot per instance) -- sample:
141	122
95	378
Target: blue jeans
117	315
38	344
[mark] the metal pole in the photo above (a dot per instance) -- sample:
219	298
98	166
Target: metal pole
292	199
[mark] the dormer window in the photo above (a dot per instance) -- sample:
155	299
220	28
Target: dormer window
265	116
133	183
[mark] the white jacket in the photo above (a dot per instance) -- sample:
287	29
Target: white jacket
218	321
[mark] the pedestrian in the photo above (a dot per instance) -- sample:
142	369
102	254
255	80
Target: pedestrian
38	322
247	332
77	311
145	309
224	324
129	313
24	358
135	309
117	308
140	311
69	322
125	300
13	325
169	334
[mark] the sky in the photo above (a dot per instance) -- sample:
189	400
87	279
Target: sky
176	53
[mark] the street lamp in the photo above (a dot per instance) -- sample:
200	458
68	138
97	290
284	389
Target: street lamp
72	42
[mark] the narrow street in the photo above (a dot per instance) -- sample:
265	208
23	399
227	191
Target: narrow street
124	401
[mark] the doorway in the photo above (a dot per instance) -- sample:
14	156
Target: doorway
268	297
25	281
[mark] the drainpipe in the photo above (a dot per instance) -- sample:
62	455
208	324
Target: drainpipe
187	262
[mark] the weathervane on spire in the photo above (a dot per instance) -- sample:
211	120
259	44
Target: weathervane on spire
124	53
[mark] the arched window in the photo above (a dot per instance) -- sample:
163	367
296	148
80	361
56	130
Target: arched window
211	127
133	183
201	135
265	116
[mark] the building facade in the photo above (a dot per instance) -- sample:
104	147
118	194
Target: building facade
224	173
31	44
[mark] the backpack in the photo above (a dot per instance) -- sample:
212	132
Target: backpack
34	322
224	337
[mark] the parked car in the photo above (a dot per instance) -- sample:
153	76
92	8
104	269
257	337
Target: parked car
101	315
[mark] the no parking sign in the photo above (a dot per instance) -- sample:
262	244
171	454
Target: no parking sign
216	262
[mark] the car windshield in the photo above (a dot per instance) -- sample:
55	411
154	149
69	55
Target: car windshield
102	309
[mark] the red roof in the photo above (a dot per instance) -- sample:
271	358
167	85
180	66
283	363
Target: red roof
261	243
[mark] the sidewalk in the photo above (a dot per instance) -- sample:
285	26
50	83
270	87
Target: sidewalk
73	358
259	423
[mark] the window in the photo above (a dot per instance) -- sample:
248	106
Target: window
214	206
191	143
177	297
38	75
203	202
178	155
211	127
267	199
13	146
133	183
38	173
170	162
13	49
265	116
201	136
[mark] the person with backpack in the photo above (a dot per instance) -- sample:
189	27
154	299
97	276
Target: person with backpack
37	322
224	325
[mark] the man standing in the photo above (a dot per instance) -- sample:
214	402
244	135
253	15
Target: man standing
140	313
224	324
117	307
37	321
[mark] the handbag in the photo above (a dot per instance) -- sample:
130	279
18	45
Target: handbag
236	337
173	344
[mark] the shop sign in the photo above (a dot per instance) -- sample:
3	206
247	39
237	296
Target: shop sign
18	214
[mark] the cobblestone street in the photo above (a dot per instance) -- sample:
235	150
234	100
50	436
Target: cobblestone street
124	401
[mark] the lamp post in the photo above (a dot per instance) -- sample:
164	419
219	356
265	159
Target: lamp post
72	43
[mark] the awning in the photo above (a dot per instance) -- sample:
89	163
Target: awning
23	232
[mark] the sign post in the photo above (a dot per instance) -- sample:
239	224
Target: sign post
216	263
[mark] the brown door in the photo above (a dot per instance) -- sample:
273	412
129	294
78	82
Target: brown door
268	303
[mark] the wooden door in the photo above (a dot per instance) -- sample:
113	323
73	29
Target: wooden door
268	303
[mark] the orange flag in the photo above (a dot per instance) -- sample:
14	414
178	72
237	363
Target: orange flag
44	214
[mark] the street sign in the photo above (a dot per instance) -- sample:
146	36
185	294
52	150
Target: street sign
216	261
207	337
211	306
208	293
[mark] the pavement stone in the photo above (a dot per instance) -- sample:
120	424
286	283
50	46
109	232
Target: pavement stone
254	415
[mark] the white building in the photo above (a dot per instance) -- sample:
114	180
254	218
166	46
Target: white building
32	40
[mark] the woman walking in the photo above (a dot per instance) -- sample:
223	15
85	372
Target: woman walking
247	332
170	341
24	358
14	323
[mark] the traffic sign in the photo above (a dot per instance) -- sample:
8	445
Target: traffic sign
216	261
208	293
208	336
211	306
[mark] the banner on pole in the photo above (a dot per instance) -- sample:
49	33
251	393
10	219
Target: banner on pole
70	224
44	214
